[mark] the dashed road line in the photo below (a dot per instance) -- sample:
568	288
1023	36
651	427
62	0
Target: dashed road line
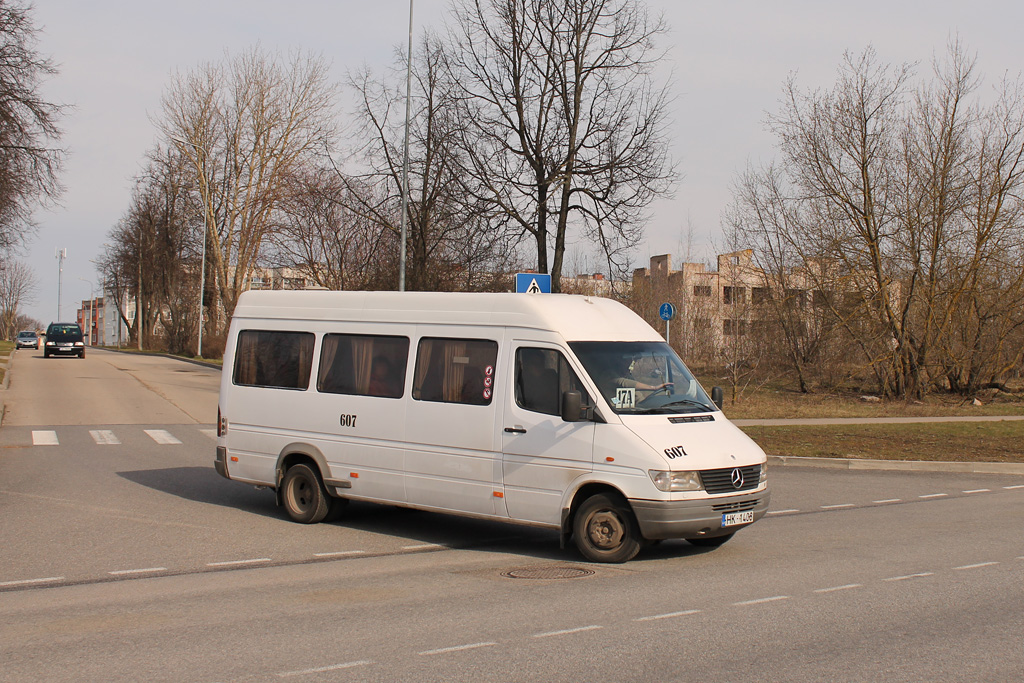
836	507
976	566
1018	486
127	572
339	553
104	437
761	601
324	669
423	546
44	438
232	563
934	495
31	582
568	631
833	589
887	500
905	577
456	648
781	512
978	491
670	615
212	433
162	437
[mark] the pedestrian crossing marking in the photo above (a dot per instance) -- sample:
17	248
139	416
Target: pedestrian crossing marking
104	437
44	438
212	433
161	436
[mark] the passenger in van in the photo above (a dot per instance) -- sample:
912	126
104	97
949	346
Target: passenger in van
383	381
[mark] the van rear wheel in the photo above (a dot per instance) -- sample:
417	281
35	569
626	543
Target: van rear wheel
305	499
605	529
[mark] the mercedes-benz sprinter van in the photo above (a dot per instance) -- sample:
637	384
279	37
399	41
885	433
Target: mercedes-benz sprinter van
559	411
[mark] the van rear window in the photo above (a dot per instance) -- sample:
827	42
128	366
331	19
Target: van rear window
268	358
455	371
363	365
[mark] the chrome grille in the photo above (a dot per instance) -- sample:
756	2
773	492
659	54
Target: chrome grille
736	507
721	481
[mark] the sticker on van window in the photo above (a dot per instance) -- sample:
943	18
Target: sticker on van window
487	394
625	397
489	370
488	381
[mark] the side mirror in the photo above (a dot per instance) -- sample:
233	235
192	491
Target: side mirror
716	396
572	406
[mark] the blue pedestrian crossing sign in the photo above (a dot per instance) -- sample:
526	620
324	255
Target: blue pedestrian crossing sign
667	311
533	283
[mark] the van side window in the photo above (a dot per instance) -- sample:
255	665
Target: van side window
542	375
363	365
265	358
455	371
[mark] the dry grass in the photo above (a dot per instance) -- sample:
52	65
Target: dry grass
944	441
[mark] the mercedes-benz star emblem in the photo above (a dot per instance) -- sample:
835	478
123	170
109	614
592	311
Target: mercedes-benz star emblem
737	478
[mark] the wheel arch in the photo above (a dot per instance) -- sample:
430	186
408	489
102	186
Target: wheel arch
584	491
293	454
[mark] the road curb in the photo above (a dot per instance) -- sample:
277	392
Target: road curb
897	465
193	361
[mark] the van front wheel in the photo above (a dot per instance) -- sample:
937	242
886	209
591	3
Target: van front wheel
605	529
305	499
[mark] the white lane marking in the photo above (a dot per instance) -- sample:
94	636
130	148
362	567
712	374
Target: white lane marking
887	500
833	589
909	576
104	437
456	648
44	438
760	601
669	615
212	433
978	491
122	572
781	512
567	631
339	553
834	507
934	495
49	579
161	436
977	566
1018	486
230	563
423	546
322	669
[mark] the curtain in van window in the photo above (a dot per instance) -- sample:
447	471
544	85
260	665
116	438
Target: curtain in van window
328	352
245	358
455	362
362	358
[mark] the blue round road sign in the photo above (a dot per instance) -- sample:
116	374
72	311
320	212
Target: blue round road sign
667	311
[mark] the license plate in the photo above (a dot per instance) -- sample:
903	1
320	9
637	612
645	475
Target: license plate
734	518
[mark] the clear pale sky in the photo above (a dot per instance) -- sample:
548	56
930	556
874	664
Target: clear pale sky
729	59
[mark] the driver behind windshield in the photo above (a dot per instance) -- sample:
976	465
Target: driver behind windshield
618	373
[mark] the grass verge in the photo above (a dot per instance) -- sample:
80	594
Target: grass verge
946	442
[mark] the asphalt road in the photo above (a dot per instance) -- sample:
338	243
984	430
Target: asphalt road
124	557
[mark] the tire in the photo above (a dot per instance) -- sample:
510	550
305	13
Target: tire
605	529
305	499
712	542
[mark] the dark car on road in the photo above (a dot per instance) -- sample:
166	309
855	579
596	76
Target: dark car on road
64	338
27	339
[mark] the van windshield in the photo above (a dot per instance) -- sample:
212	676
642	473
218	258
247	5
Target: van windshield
642	378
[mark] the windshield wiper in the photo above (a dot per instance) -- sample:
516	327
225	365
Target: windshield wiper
688	402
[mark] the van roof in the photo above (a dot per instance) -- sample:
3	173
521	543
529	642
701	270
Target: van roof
576	318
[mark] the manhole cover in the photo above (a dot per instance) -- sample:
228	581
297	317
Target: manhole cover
548	573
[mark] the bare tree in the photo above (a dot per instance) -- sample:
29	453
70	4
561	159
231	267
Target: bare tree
564	126
450	240
17	287
247	125
29	163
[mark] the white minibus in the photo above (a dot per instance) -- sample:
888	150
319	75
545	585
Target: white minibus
558	411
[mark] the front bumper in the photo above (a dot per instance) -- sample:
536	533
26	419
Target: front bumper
65	350
695	518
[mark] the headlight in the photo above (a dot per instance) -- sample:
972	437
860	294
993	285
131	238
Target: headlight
50	343
79	344
676	481
764	473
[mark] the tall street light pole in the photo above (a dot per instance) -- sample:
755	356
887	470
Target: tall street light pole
405	162
206	228
60	255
